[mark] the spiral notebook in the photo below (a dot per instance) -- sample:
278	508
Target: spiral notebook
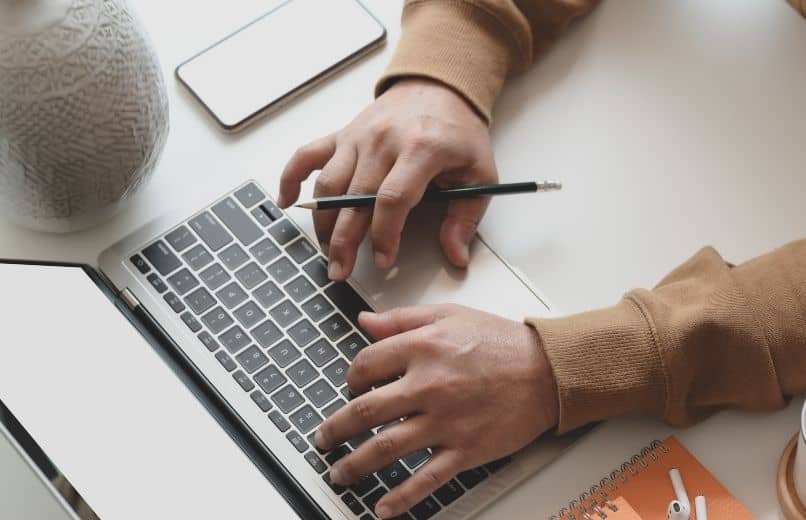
640	489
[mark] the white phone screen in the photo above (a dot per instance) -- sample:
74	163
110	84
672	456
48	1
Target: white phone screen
277	55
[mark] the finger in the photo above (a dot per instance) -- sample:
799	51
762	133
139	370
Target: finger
387	446
312	156
430	477
333	180
364	413
381	362
352	223
400	192
459	228
385	324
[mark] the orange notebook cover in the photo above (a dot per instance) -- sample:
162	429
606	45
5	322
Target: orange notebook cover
643	482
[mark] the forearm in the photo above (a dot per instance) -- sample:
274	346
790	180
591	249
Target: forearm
709	336
473	45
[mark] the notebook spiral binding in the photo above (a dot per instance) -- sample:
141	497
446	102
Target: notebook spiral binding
594	504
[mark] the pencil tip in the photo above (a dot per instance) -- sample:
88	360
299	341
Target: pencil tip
306	205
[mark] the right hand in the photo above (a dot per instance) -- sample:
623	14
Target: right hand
417	133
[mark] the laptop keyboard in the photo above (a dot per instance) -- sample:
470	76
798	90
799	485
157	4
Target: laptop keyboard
242	277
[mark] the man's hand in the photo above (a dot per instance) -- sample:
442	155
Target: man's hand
474	387
418	132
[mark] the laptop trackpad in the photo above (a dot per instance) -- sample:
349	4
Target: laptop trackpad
134	442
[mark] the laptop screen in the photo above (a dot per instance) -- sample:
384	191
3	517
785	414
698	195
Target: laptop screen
107	413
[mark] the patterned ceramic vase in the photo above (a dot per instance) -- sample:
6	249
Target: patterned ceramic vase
83	111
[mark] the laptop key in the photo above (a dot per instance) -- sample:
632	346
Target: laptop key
394	474
183	281
174	302
265	251
261	400
297	441
360	439
303	333
199	300
270	379
226	361
244	381
426	509
497	464
233	256
335	487
252	359
231	295
180	238
279	421
141	265
300	250
251	275
335	327
353	503
337	372
214	277
372	499
317	308
157	283
472	477
320	352
301	373
271	210
413	460
208	341
365	484
266	333
284	353
285	314
217	320
448	493
249	314
306	419
332	408
347	300
191	322
197	257
315	462
299	289
288	398
249	195
161	257
243	227
317	270
283	231
282	270
234	339
261	217
210	231
351	345
320	393
267	294
337	453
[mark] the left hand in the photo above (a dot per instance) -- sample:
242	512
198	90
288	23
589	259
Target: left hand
474	388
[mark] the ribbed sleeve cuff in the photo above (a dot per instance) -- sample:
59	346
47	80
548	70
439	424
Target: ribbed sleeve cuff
606	364
456	43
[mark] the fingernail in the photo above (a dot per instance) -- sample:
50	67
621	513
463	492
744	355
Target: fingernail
334	270
367	314
383	511
381	259
335	475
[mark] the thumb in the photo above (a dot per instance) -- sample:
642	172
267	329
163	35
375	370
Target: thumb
459	227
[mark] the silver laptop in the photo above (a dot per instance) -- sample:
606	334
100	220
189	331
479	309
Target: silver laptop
235	299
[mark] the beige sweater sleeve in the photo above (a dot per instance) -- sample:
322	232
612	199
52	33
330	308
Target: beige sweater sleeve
709	336
473	45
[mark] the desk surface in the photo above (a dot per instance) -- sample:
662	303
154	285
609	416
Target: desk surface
672	126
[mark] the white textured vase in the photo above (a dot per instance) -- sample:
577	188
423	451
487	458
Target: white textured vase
83	111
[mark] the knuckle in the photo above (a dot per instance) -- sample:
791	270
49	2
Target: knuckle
364	411
385	444
391	197
326	184
433	478
377	134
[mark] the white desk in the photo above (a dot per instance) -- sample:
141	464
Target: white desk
672	125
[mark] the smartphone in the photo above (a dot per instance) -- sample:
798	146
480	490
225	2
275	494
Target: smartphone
285	52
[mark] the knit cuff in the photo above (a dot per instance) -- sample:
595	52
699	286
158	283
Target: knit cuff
456	43
605	363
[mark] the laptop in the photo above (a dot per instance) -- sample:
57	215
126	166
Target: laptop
186	376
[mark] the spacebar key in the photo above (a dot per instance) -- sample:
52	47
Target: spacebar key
241	225
347	300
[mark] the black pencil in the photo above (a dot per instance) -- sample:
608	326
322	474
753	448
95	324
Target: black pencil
466	192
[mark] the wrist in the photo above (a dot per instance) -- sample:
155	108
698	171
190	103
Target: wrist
545	381
425	86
